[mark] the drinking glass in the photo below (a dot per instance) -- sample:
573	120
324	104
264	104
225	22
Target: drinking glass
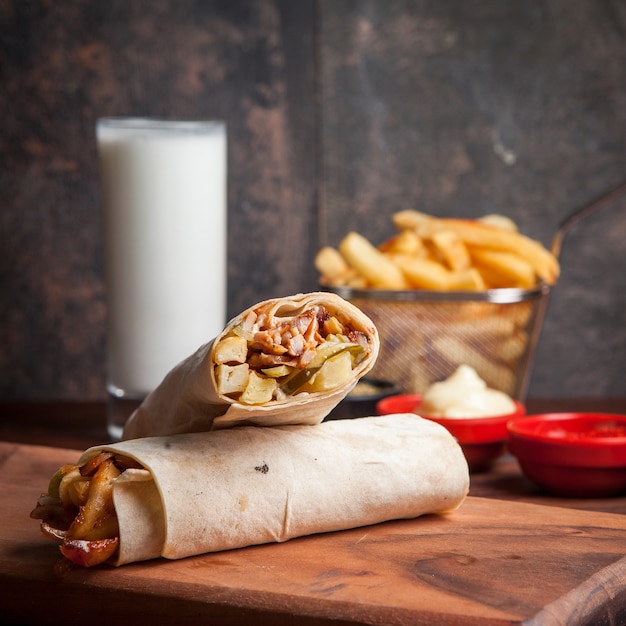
163	187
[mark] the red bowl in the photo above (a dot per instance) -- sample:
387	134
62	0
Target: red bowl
572	454
482	439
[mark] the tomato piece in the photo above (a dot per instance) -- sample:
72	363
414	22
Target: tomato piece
89	553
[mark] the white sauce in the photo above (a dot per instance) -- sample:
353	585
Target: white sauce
464	395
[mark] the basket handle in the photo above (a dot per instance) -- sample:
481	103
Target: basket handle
580	214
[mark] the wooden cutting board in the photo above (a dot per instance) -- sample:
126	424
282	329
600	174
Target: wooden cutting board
491	562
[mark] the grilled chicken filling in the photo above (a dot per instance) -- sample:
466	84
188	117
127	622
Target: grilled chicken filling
268	357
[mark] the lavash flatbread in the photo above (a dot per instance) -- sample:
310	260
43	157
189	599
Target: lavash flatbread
188	400
249	485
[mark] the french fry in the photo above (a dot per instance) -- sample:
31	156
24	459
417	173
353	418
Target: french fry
356	281
452	249
442	254
499	221
482	235
378	269
510	349
405	242
502	269
522	314
467	280
494	326
424	273
410	219
332	265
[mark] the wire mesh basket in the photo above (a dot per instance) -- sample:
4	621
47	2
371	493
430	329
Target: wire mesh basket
426	335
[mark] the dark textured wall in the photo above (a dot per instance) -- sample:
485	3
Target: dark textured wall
339	113
65	64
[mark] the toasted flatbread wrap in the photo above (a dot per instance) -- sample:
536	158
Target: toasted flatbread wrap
283	361
249	485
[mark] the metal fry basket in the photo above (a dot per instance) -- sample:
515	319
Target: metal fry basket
426	335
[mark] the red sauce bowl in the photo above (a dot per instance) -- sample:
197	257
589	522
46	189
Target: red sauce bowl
580	455
482	439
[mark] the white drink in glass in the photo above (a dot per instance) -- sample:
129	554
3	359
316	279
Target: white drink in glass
164	211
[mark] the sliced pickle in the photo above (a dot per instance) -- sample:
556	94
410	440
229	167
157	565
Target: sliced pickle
335	371
326	351
277	371
55	481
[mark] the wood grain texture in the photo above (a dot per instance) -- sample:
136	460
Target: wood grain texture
490	562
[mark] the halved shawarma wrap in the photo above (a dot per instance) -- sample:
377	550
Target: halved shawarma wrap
283	361
191	494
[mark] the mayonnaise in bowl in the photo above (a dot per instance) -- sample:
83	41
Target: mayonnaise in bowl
464	395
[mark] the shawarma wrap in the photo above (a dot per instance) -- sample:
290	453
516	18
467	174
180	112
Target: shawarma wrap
283	361
190	494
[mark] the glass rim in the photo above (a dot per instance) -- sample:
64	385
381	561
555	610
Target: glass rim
151	125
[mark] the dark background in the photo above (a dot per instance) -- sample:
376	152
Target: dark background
339	113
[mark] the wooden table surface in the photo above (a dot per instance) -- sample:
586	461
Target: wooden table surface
510	555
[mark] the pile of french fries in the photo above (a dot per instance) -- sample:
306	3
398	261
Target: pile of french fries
440	254
425	341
